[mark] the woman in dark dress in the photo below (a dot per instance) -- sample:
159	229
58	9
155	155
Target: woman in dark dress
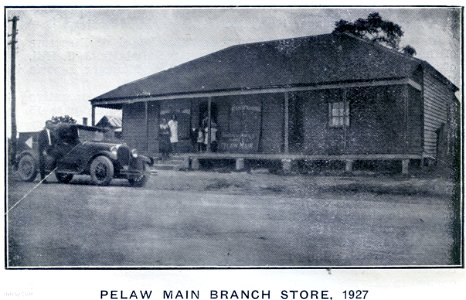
164	134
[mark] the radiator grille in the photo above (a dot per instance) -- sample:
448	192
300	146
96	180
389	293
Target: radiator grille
123	155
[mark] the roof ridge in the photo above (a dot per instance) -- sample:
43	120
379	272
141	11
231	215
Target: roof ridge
375	44
278	40
418	60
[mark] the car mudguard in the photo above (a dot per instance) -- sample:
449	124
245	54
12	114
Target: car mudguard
147	159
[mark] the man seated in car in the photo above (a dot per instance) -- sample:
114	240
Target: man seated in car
67	139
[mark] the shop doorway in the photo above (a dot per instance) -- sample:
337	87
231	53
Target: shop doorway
204	124
204	112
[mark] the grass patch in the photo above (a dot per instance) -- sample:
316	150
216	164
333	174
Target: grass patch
275	188
219	184
403	190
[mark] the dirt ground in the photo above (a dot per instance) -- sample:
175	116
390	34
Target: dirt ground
200	218
261	182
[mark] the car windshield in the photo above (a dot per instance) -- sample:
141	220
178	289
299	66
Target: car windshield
90	135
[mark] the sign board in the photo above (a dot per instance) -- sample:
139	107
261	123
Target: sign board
238	143
245	127
27	141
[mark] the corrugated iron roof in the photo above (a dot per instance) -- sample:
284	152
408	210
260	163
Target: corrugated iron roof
109	121
300	61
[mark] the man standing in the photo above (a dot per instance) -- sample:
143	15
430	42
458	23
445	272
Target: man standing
173	125
46	140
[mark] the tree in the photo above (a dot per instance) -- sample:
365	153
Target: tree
409	50
375	29
63	119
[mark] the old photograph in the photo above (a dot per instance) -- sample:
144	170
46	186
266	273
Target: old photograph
233	137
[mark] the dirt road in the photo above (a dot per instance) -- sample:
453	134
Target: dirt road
216	223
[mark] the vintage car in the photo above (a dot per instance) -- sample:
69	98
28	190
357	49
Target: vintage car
81	150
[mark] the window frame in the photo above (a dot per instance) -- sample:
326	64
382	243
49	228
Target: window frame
338	114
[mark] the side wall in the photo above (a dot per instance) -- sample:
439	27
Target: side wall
437	101
136	133
415	121
378	121
272	133
133	131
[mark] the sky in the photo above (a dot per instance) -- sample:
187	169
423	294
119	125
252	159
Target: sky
66	57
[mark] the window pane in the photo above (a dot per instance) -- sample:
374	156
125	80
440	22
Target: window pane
338	114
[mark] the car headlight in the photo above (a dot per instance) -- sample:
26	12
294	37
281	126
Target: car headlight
114	150
134	153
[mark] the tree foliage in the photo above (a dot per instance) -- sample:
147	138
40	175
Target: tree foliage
63	119
374	28
409	50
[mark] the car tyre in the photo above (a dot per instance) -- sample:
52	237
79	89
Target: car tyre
27	168
63	177
101	170
139	181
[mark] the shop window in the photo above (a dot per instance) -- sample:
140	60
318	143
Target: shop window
339	114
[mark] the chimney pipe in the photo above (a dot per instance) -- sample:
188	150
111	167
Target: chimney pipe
85	121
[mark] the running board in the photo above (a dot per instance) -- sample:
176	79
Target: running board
69	172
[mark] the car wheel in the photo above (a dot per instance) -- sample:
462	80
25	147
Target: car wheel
63	177
101	170
139	181
27	168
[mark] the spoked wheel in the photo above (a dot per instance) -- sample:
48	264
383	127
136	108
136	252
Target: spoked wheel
101	170
27	168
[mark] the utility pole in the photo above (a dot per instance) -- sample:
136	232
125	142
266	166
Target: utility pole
13	89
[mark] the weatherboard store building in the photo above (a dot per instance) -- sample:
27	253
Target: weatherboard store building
316	98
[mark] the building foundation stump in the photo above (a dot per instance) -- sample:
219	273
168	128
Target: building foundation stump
405	166
239	166
286	165
195	164
185	165
349	165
